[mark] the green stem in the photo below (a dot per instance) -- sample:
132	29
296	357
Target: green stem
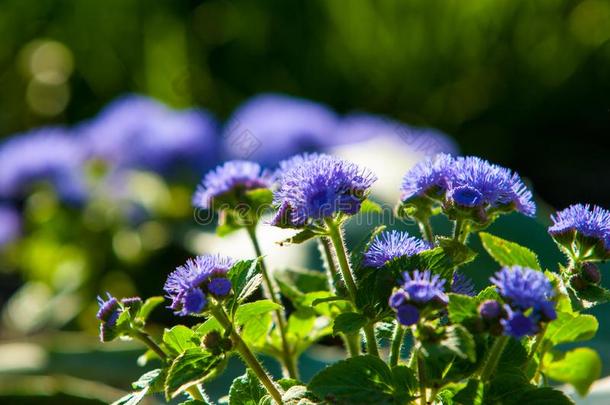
288	359
351	342
152	345
346	271
493	358
421	374
195	392
246	354
397	337
426	229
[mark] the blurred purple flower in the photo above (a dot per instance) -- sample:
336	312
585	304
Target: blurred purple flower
270	127
140	132
10	228
390	245
48	154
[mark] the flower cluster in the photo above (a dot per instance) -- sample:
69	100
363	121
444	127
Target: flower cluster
109	312
419	291
390	245
227	183
188	285
583	230
528	297
467	187
318	187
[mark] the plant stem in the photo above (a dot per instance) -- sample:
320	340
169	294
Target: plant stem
399	333
346	271
246	354
195	392
152	345
288	360
421	374
460	231
351	342
426	229
493	358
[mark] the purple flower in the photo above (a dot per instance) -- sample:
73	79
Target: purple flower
522	287
518	324
423	287
271	127
232	177
476	182
589	221
219	286
407	314
140	132
428	178
490	309
320	188
42	155
390	245
109	311
461	284
188	284
10	229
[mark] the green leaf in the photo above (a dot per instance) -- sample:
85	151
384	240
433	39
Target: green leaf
251	310
405	384
510	387
302	280
488	293
179	338
508	253
188	369
194	402
246	390
260	197
357	380
349	323
579	367
149	305
151	381
571	328
514	355
461	308
591	296
133	398
300	324
245	279
255	317
460	341
541	396
298	395
471	394
299	238
208	326
370	207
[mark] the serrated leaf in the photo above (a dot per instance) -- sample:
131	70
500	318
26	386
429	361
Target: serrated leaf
208	326
152	381
488	293
299	238
571	328
591	296
298	395
357	380
471	394
508	253
245	279
148	306
133	398
255	319
246	390
188	369
541	396
370	207
460	341
579	367
461	308
405	383
179	338
349	323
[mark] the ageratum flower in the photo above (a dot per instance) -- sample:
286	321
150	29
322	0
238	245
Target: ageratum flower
461	284
11	225
43	155
320	188
188	285
390	245
271	127
429	178
589	222
525	291
475	182
141	133
230	180
417	291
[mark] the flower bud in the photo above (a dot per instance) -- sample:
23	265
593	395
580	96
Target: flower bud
590	272
490	310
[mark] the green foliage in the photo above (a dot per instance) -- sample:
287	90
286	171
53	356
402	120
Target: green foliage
301	237
461	308
579	367
349	323
179	338
245	278
246	390
508	253
569	328
190	368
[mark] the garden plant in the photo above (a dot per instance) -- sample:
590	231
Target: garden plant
413	327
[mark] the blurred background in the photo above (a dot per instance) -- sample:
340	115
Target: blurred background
112	111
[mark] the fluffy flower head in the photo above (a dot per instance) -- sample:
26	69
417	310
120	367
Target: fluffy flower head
423	287
429	177
589	221
390	245
523	288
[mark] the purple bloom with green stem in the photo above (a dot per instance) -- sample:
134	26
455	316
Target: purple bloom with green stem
231	177
188	285
109	310
428	178
390	245
588	220
418	290
320	188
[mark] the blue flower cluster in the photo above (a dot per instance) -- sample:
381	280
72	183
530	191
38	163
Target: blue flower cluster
188	285
467	183
528	296
586	222
319	187
418	291
109	311
390	245
230	178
